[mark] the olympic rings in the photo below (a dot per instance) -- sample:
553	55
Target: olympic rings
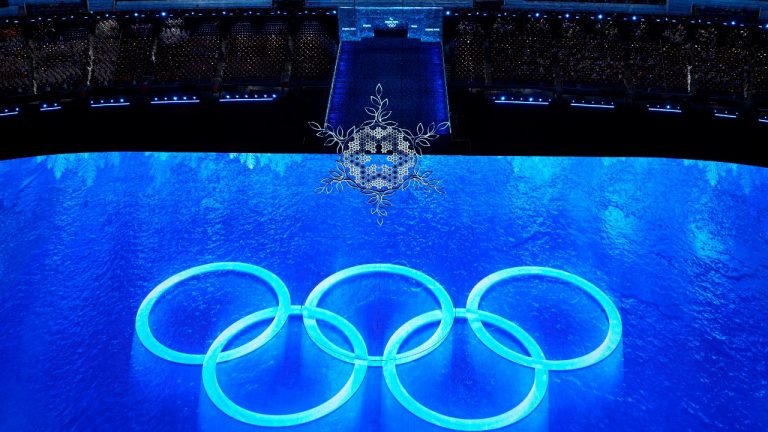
446	307
610	343
531	401
390	358
211	383
151	343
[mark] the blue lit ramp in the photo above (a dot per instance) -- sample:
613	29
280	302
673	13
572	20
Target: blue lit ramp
410	71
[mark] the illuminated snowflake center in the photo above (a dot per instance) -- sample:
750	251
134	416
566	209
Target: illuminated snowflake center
379	157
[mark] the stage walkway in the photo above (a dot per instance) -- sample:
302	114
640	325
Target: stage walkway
410	71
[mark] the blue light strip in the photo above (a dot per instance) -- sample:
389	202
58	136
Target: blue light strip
174	102
725	115
665	110
397	7
444	89
110	104
583	105
54	108
520	102
9	113
333	81
763	120
248	100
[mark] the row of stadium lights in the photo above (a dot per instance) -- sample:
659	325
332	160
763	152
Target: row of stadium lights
522	100
543	101
732	23
236	97
174	100
166	100
725	114
244	13
667	108
248	98
164	14
9	111
12	111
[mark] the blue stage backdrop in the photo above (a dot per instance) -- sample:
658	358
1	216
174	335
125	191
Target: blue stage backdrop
167	292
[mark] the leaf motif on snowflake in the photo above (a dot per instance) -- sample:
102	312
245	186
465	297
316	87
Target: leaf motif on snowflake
379	140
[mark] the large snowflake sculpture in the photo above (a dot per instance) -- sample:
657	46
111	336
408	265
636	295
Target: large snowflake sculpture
394	151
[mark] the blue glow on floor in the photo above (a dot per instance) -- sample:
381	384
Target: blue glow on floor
678	247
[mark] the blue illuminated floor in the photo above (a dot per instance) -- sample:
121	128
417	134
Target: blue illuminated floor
678	247
410	72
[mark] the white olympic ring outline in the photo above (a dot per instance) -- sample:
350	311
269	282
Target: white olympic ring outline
391	358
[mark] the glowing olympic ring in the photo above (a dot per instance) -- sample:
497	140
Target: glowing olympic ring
610	342
531	401
359	357
151	343
211	383
446	307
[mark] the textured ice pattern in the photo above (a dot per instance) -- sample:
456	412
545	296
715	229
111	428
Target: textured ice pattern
679	246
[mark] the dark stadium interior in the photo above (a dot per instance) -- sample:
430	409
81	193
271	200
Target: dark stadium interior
519	82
